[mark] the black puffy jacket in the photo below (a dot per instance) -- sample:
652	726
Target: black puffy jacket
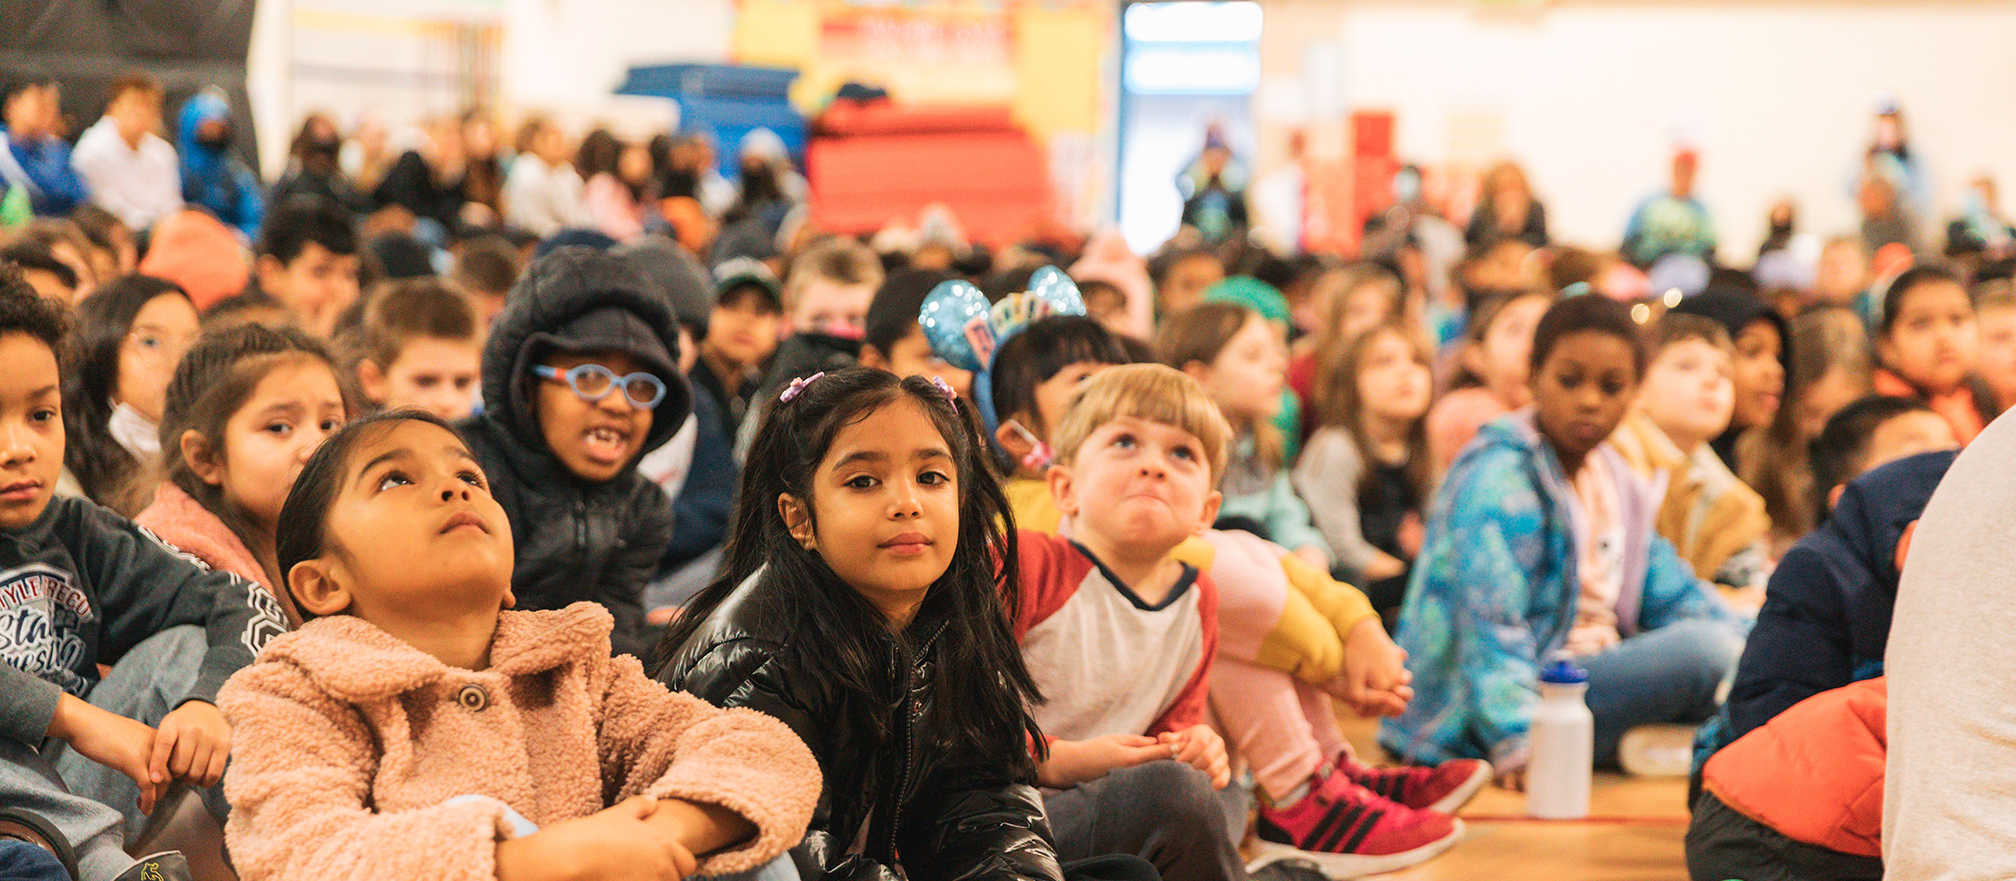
576	540
953	812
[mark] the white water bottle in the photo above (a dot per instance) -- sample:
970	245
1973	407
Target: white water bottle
1563	746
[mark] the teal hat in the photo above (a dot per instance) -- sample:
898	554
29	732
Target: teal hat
1251	293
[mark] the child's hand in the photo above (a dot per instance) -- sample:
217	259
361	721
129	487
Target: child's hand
192	744
698	827
1382	566
1314	556
611	845
1200	747
1072	762
1375	678
1413	533
112	740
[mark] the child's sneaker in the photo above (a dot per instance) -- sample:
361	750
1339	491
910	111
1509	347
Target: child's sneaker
1444	788
1657	751
1348	831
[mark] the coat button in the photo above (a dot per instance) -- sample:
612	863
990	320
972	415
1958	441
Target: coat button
473	698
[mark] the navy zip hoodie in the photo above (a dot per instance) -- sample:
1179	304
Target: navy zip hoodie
81	586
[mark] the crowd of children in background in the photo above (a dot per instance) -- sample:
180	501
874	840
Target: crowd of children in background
468	467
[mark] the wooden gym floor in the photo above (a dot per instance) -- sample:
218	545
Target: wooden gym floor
1634	832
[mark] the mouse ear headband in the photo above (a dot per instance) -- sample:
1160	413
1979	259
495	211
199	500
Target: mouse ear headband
967	331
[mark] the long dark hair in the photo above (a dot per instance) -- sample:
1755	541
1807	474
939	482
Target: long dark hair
303	532
981	688
215	378
105	470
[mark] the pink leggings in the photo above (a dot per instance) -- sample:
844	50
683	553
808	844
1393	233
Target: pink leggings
1284	727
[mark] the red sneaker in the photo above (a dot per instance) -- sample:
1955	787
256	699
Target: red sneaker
1444	788
1348	831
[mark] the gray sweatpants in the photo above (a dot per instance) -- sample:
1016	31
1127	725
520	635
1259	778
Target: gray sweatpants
95	807
1163	811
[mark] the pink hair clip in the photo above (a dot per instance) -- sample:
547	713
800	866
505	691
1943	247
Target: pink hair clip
798	385
945	388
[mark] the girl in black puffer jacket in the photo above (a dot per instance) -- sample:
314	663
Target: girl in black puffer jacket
861	603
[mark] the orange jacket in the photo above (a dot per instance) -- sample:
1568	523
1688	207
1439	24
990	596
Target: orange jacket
1814	773
1958	406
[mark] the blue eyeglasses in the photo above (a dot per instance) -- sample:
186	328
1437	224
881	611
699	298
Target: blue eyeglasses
593	382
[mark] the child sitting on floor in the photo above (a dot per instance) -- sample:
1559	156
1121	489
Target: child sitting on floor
1155	421
84	587
245	408
579	382
1929	342
1366	472
1541	541
1494	358
862	603
1799	798
413	726
1242	361
1289	635
1715	522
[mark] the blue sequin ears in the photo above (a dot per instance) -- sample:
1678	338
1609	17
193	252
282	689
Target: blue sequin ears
966	330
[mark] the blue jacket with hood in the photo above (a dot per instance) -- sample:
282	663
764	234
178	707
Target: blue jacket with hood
1494	590
211	176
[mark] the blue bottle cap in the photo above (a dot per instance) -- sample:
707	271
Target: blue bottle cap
1564	673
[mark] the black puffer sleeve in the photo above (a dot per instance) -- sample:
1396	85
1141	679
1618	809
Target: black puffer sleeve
975	825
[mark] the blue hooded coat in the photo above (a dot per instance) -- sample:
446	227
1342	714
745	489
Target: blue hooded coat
1494	590
211	176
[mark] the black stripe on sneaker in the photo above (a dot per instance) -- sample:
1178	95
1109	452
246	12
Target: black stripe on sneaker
1357	838
1338	824
1332	819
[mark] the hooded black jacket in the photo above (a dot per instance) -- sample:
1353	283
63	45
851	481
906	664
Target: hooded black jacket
953	813
576	540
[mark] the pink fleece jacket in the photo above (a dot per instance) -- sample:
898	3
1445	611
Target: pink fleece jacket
348	742
182	521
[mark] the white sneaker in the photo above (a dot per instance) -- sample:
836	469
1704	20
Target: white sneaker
1657	751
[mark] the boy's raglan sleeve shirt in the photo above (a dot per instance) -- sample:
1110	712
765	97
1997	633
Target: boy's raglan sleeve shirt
1188	709
142	586
1048	578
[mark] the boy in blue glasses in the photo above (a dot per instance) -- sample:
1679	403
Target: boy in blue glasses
580	380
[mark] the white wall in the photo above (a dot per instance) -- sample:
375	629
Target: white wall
564	56
1588	96
400	59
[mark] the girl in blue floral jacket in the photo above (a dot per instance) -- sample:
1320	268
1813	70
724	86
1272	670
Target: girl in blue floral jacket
1541	543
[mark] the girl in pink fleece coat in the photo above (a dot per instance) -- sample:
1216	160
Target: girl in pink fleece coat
413	729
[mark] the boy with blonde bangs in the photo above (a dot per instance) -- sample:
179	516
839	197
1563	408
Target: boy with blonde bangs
1119	633
1119	624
